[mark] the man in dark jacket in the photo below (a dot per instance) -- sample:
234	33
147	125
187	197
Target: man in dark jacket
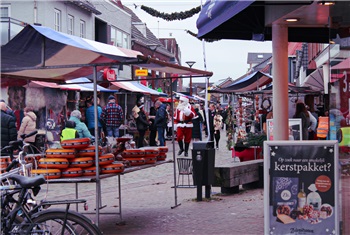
8	126
160	121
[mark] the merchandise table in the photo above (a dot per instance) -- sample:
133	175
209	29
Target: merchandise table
94	179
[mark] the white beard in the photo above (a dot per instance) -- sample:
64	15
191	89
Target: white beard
181	106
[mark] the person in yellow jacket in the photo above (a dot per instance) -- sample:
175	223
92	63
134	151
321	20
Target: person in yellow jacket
69	132
343	136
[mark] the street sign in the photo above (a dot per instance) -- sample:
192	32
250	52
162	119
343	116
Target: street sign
141	72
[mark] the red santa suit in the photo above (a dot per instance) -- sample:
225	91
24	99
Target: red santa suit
183	120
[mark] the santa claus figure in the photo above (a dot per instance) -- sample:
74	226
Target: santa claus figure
183	123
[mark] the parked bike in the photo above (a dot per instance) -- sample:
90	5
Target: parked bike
21	214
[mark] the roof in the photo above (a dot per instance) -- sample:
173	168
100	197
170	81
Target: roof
150	38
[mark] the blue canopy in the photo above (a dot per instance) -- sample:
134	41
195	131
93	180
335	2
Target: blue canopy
215	13
63	56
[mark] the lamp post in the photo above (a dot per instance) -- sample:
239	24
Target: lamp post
153	48
190	64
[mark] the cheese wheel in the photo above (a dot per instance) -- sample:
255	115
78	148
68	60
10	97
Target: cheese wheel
161	157
106	159
5	159
60	153
77	143
112	168
151	160
82	162
47	173
151	152
89	151
53	163
72	172
128	153
89	171
134	161
163	149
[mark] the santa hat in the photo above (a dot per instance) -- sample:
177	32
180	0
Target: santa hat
184	99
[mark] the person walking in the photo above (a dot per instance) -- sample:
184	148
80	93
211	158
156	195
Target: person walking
211	114
183	121
217	127
8	127
142	125
160	121
152	128
197	124
90	116
28	125
80	126
112	115
302	113
169	127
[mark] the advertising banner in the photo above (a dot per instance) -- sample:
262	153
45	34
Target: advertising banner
302	190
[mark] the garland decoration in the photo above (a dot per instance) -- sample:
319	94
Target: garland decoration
195	35
173	16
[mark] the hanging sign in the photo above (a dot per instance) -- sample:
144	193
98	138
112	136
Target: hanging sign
141	72
302	187
109	74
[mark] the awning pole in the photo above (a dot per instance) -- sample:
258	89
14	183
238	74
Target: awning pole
98	185
173	141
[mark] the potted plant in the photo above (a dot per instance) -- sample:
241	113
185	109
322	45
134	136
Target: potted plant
249	147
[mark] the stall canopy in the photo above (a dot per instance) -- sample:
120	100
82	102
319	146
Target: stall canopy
38	47
43	54
78	84
315	79
252	20
250	82
135	86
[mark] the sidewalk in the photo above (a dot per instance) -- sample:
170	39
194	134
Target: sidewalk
148	198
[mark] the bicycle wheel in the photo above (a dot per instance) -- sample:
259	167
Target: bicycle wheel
53	221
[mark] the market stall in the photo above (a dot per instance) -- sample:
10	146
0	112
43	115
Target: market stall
51	56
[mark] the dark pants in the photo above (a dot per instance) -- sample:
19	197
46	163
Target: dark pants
152	137
92	131
217	137
141	138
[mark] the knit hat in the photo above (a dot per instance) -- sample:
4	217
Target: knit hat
111	97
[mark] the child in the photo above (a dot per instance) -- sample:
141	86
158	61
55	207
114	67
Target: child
217	128
69	132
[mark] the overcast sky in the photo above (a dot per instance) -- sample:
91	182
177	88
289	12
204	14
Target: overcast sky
225	58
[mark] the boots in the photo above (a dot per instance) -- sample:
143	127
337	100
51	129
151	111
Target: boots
187	145
181	145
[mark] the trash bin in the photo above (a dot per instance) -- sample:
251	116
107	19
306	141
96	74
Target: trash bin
203	160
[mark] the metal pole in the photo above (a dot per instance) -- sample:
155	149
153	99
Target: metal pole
98	185
173	141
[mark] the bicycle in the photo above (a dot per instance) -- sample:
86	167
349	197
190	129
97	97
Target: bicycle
21	214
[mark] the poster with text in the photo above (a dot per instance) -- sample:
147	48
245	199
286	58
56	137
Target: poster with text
302	197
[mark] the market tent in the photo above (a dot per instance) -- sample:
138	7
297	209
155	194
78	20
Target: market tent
250	82
315	79
83	84
344	65
135	86
41	53
78	84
